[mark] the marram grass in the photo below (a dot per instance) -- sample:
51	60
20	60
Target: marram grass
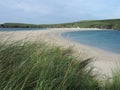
38	66
114	82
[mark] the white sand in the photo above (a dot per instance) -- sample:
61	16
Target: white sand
104	62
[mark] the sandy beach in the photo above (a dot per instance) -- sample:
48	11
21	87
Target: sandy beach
104	62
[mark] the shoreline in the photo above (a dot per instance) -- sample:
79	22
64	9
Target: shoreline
104	61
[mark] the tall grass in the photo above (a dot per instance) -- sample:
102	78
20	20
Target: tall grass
114	82
38	66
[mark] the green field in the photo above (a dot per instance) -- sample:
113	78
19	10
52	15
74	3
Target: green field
40	66
102	24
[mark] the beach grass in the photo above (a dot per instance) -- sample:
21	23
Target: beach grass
114	82
40	66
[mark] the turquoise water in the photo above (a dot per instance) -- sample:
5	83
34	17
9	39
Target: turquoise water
21	29
108	40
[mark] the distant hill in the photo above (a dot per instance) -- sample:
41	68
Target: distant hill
103	24
106	24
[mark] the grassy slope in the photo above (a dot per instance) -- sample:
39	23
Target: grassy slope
108	24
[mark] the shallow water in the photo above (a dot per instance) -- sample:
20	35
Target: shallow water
21	29
108	40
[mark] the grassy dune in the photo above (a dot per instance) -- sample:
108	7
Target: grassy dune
38	66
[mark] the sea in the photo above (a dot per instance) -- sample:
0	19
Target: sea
108	40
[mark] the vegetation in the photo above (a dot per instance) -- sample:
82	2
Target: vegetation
38	66
103	24
114	82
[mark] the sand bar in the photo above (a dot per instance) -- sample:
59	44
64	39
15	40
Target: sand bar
104	62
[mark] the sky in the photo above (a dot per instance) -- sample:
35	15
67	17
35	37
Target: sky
57	11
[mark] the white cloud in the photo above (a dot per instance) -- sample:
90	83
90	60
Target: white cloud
59	10
41	9
27	6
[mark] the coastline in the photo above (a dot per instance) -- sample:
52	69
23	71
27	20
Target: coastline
104	61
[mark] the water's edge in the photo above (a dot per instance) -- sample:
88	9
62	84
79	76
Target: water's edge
107	40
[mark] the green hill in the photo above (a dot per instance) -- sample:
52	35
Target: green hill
107	24
103	24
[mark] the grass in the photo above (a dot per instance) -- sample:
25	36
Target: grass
38	66
114	82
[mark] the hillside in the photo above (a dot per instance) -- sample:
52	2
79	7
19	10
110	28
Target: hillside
106	24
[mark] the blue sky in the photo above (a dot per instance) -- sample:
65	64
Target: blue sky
57	11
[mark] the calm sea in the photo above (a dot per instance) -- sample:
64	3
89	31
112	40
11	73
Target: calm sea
20	29
108	40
